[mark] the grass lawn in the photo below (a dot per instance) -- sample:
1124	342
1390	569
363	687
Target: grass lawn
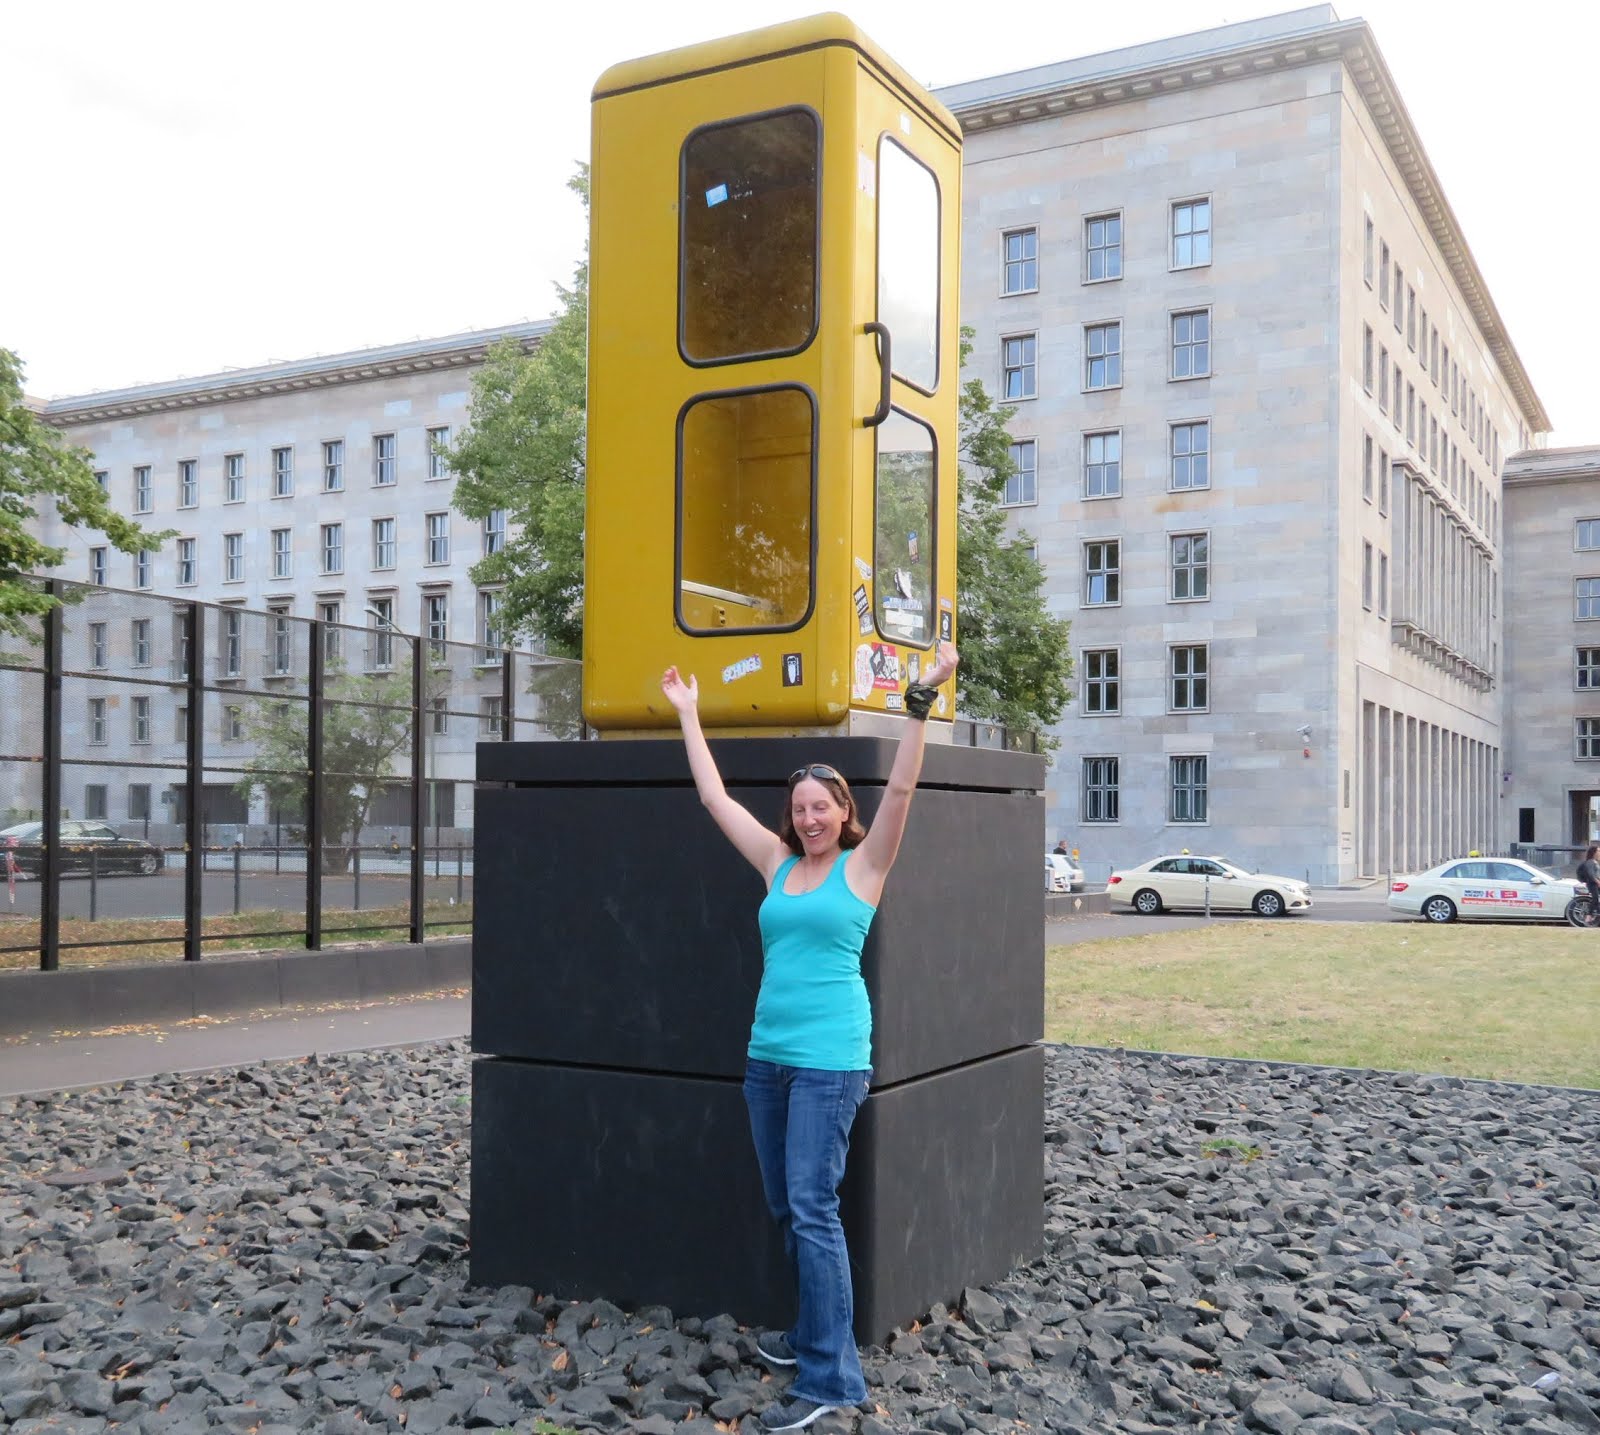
1508	1002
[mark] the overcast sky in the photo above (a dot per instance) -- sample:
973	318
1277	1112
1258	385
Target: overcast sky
199	186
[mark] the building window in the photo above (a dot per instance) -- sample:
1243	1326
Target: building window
1383	275
1191	233
97	567
1383	585
1383	482
186	563
489	628
142	497
99	656
333	548
1397	416
141	642
1366	466
97	721
489	717
94	800
1102	356
438	538
383	547
1411	319
1368	244
333	466
1102	574
139	802
1399	289
1188	789
436	619
494	531
381	612
1102	683
1100	789
1191	455
1588	598
383	459
232	643
188	485
1189	561
1588	534
328	613
1366	576
1586	670
282	472
1187	675
1102	247
1022	486
1102	464
1588	737
439	714
1019	358
141	568
1191	344
1021	261
233	478
102	480
1383	379
180	724
233	557
141	720
232	723
1411	415
438	459
1366	357
1433	357
282	650
282	552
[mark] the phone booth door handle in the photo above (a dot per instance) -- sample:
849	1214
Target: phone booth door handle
885	370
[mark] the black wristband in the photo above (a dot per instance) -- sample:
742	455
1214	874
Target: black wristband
919	699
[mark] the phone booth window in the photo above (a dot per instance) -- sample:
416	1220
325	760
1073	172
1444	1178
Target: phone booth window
908	264
748	212
903	541
746	495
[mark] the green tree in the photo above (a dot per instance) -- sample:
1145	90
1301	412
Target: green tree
366	726
1016	659
37	462
522	452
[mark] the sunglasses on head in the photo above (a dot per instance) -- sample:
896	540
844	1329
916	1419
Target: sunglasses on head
817	769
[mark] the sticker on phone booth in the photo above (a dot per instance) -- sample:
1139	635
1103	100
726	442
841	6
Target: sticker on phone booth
742	669
894	702
861	688
864	569
863	609
791	670
715	195
911	545
913	667
944	626
886	667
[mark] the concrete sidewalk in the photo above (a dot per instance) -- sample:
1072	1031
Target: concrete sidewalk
69	1061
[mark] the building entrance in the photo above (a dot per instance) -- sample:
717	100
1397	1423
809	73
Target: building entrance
1584	823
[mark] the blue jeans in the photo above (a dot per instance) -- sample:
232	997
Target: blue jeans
801	1123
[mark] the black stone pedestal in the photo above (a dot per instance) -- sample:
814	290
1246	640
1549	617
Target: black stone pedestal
615	966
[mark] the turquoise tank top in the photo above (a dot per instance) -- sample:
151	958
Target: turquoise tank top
812	1009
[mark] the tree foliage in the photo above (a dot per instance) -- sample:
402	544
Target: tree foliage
366	726
37	462
1016	658
523	452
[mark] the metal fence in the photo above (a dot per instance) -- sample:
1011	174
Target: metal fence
225	777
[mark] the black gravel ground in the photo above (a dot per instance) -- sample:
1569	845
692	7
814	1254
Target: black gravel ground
1229	1247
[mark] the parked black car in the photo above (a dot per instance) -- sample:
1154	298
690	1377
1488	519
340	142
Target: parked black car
82	844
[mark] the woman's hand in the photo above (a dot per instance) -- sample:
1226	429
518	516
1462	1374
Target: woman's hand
943	666
684	696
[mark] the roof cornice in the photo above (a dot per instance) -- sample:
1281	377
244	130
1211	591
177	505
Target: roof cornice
454	351
1349	41
1552	465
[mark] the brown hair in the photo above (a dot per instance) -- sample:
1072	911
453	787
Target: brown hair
850	834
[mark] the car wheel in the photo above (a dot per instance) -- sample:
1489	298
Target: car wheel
1439	909
149	865
1146	902
1268	904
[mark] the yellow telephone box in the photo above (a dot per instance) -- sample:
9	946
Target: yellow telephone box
773	375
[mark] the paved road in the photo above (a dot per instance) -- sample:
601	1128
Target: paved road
162	895
1369	904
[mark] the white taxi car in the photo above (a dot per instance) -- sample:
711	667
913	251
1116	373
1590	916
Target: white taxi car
1498	888
1183	882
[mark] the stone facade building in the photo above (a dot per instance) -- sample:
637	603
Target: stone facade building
1552	766
1263	399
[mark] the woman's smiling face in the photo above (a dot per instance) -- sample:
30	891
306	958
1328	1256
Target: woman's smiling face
818	816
